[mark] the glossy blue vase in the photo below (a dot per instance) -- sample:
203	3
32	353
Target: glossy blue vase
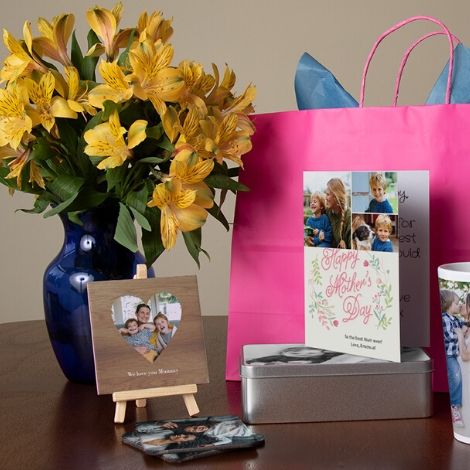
89	254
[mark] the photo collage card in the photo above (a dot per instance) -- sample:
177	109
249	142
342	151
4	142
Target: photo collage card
351	251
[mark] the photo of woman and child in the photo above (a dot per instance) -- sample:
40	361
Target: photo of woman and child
455	307
327	210
149	335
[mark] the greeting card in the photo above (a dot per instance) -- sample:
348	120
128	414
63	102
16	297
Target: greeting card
351	257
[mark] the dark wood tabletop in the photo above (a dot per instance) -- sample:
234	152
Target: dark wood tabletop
50	423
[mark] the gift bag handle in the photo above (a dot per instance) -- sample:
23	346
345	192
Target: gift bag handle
395	28
407	54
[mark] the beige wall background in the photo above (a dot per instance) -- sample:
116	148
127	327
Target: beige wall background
262	41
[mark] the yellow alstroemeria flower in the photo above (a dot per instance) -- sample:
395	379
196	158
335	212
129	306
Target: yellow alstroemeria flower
107	140
225	139
221	91
222	97
198	84
48	107
20	159
154	27
178	210
191	171
190	133
76	95
54	39
116	88
105	24
152	77
14	121
20	62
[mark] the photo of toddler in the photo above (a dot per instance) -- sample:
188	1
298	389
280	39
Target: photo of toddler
318	230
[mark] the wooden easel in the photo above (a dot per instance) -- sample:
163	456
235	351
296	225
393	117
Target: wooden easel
140	396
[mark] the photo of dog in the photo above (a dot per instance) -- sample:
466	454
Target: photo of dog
362	234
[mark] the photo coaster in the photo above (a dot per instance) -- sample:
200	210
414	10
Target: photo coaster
187	439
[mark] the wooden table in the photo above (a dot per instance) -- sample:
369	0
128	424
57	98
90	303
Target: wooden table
50	423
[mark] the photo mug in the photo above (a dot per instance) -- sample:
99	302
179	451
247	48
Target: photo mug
454	287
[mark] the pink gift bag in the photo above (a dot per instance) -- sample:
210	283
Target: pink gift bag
267	284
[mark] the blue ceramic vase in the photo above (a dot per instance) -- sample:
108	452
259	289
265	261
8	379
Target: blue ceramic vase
89	254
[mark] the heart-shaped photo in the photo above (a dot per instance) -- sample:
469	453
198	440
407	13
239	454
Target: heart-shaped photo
147	326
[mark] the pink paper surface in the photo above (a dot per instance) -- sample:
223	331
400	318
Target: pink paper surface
266	293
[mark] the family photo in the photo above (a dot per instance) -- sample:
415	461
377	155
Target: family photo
147	327
455	307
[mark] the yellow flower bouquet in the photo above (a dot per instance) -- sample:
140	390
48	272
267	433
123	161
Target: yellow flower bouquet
156	138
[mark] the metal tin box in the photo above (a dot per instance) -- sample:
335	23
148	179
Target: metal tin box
293	383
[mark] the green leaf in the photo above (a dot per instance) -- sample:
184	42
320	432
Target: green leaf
40	205
59	168
223	195
9	182
216	212
219	169
95	160
165	143
109	108
115	176
92	39
76	54
224	182
151	240
75	217
124	55
125	229
41	150
94	121
68	136
154	160
132	111
138	199
60	207
66	186
141	220
233	172
86	66
155	132
88	69
193	244
87	199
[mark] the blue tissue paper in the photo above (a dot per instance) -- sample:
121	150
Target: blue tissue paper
460	79
316	87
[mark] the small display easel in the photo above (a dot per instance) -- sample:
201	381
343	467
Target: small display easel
140	396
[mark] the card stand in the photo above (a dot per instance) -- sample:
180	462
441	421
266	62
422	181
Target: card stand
140	396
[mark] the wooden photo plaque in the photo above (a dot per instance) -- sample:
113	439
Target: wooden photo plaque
147	333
